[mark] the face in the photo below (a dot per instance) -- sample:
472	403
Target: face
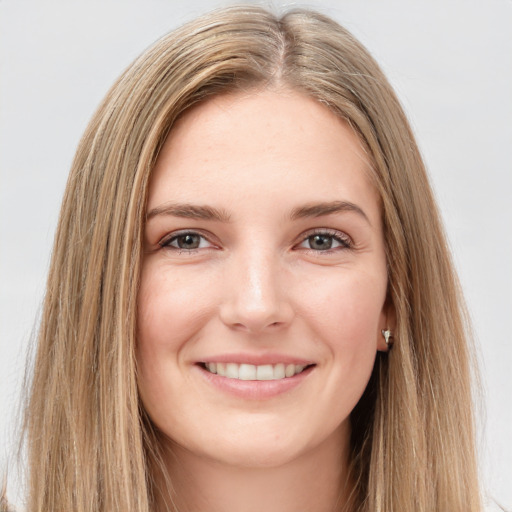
264	280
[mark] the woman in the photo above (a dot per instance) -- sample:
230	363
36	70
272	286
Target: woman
246	232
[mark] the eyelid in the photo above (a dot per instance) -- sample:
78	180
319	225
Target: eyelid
345	240
166	240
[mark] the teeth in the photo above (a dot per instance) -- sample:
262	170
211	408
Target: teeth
253	372
279	372
221	369
247	372
232	370
264	372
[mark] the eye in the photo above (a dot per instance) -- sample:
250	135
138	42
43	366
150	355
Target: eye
186	241
321	241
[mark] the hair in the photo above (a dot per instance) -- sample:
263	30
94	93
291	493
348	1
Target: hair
91	447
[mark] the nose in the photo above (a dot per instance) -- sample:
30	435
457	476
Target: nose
256	295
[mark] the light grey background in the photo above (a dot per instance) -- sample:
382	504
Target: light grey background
450	61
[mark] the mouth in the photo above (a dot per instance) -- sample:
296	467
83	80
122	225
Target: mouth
264	372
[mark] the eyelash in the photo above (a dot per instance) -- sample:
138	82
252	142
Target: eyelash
342	239
167	241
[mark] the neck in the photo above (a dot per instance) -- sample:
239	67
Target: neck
316	481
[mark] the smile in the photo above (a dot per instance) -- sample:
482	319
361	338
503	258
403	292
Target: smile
255	372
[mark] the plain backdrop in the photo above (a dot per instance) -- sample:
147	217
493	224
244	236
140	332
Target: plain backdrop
450	62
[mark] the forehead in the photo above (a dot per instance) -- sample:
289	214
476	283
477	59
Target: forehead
284	145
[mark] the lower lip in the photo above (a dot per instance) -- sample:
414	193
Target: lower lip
254	389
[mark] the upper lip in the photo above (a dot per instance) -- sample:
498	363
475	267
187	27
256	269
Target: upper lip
256	359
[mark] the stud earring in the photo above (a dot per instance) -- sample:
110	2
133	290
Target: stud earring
388	337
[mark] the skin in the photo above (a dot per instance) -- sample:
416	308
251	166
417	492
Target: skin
259	283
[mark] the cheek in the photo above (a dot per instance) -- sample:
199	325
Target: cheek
347	326
346	309
170	308
170	312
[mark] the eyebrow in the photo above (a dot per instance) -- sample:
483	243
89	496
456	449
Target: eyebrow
189	211
327	208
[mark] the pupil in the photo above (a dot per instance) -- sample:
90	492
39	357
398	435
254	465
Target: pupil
320	242
188	242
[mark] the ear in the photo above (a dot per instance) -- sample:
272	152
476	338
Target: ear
387	321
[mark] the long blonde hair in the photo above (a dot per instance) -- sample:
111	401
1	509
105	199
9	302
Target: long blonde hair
91	447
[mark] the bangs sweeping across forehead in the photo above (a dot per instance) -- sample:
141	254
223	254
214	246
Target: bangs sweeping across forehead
91	447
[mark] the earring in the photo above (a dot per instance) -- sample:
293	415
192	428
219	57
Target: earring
388	337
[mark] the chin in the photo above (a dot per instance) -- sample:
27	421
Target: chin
257	456
261	445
